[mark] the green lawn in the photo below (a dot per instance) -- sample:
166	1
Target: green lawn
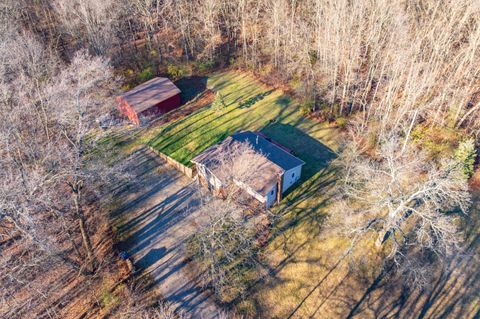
249	106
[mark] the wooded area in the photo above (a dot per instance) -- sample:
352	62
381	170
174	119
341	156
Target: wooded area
392	61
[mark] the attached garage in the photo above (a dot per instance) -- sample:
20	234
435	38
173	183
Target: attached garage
154	97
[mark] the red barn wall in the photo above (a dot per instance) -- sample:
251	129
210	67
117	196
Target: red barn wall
163	107
127	110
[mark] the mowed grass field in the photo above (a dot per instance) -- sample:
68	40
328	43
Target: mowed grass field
249	106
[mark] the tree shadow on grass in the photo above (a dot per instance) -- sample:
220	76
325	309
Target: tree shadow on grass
292	213
254	99
452	292
191	87
315	154
384	293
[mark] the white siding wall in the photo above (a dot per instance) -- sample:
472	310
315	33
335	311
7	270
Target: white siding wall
211	179
271	197
249	190
290	177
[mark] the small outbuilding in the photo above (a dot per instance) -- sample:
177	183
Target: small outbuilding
274	177
154	97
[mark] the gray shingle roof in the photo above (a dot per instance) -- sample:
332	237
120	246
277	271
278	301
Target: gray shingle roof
273	152
279	160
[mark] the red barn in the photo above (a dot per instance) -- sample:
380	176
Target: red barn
157	96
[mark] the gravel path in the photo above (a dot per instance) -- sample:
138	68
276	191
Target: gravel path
158	213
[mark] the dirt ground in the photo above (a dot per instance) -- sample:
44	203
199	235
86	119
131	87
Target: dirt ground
203	99
158	213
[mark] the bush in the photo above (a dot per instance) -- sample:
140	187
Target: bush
266	69
126	87
176	72
295	83
341	122
466	153
313	57
146	74
205	65
437	141
219	102
307	107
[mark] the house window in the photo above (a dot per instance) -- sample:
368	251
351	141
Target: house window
293	174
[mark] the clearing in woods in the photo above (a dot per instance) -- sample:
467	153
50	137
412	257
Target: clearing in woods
308	274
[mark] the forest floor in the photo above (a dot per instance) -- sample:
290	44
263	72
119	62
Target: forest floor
156	215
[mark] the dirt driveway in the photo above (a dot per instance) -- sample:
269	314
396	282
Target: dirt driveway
156	216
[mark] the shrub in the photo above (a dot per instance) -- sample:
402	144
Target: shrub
176	72
466	153
153	53
295	83
205	65
307	107
313	57
437	141
219	102
126	87
146	74
266	69
341	122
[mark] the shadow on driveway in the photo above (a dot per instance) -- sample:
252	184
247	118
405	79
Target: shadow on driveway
157	216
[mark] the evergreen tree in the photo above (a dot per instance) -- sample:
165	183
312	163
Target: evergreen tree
466	153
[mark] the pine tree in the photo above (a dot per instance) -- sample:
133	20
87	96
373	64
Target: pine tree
219	102
466	154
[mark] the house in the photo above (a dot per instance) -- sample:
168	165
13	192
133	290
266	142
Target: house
273	178
157	96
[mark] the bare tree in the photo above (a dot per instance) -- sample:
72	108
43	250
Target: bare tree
238	165
223	249
91	23
402	198
385	59
50	168
78	96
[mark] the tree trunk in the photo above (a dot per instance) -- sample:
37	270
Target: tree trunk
71	239
382	237
86	242
82	225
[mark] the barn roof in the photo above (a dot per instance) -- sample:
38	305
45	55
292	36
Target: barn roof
150	93
278	159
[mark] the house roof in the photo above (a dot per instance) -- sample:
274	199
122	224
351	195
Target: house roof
271	150
150	93
278	160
